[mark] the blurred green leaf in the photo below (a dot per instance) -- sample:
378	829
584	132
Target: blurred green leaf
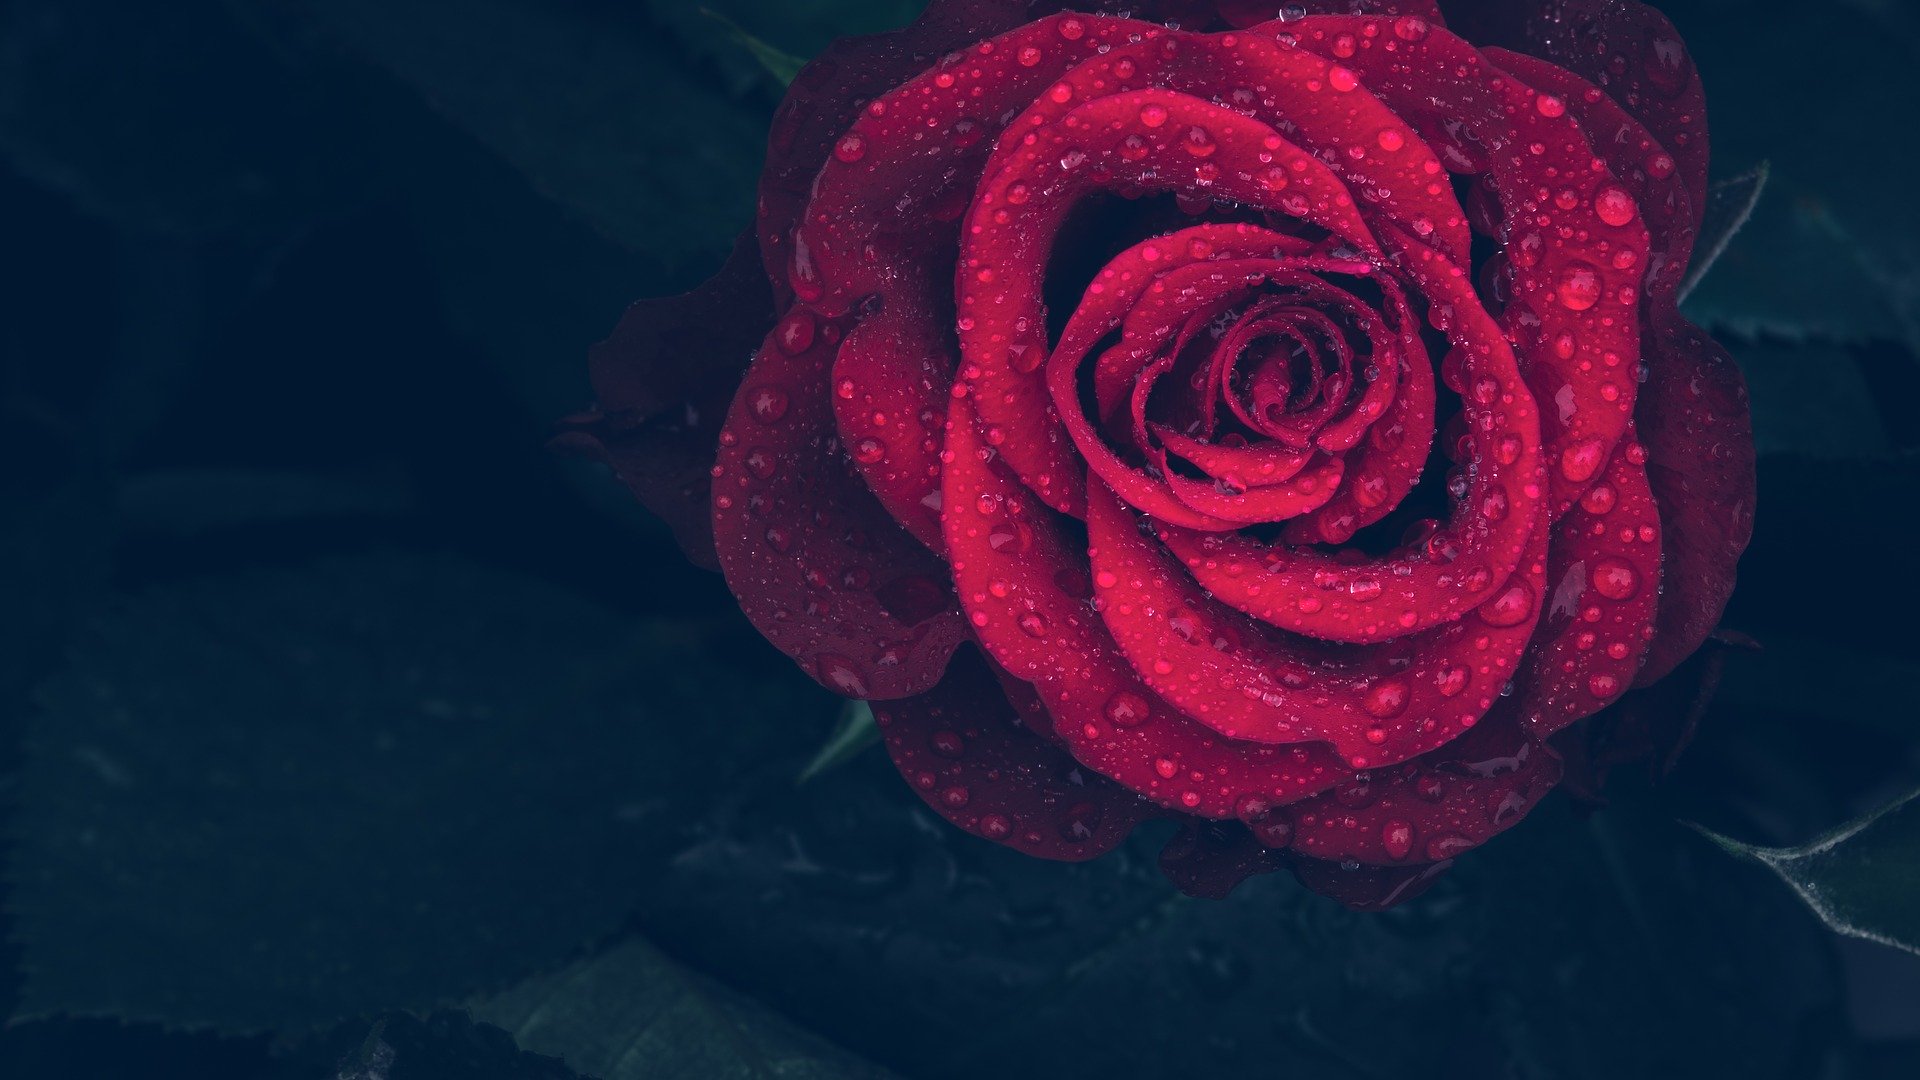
1833	251
630	1013
604	116
1862	879
1730	204
445	1045
781	66
855	732
168	118
382	782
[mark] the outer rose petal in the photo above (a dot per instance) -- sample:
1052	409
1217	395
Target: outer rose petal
662	381
1603	581
1573	303
1209	859
963	748
1631	50
1701	461
816	562
1446	803
1693	413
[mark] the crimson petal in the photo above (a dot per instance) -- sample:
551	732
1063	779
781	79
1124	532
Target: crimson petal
963	748
817	563
662	381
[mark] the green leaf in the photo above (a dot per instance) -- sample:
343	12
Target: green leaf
1730	204
372	783
781	66
630	1013
1862	879
855	732
969	960
1830	252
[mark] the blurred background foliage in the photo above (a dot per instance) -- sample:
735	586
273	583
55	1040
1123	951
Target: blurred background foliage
346	732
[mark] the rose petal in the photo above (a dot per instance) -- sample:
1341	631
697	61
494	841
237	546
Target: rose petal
1446	803
1410	590
1377	705
1573	303
963	748
817	563
1603	579
662	381
1026	593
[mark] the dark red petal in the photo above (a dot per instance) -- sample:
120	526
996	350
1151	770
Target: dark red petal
1253	12
1367	888
1000	318
1209	859
1322	596
1698	432
1631	50
829	93
1693	390
890	384
662	381
1576	276
1377	705
963	747
1603	579
817	563
1026	593
1449	801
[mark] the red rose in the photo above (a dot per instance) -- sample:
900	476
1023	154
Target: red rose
1290	417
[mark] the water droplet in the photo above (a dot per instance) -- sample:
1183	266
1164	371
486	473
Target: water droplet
1126	708
1580	461
796	331
1397	838
1387	699
767	403
1579	286
841	675
1598	499
948	744
1153	115
850	148
1511	606
1342	79
1615	579
1614	205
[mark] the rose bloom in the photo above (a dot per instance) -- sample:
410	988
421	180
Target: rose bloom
1276	419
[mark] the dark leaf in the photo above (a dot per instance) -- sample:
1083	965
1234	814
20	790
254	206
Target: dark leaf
376	783
782	66
169	118
1730	203
602	115
442	1046
855	733
1862	879
629	1013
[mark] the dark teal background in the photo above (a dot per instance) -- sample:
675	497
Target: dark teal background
326	691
